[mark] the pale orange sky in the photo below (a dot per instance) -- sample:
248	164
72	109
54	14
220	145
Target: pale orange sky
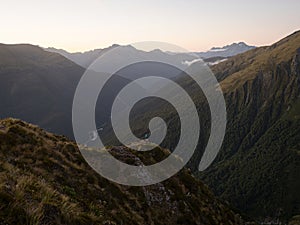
194	25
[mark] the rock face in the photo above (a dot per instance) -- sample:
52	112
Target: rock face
45	180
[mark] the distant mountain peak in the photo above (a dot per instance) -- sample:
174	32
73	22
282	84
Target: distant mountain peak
242	43
115	45
226	51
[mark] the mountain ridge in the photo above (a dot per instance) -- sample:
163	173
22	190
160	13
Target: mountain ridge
45	180
85	58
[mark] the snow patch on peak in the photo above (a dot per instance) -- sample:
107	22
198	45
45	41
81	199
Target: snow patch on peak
217	49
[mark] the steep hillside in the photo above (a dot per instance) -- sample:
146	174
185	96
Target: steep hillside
44	180
37	86
257	168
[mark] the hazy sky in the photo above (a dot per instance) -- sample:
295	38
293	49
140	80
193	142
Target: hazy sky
196	25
